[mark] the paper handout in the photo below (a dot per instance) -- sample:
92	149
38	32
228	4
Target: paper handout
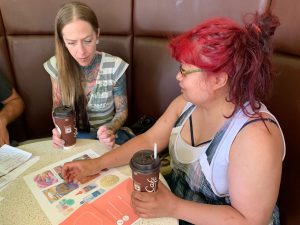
60	199
11	158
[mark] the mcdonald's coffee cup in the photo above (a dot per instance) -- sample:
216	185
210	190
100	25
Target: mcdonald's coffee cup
145	171
65	122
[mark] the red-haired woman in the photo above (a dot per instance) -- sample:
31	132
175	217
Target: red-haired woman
226	147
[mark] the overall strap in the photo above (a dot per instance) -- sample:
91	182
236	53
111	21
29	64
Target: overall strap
182	117
216	140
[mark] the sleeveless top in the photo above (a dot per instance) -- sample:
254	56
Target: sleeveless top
110	71
200	173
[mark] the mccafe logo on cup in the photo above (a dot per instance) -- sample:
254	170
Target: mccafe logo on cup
64	119
145	171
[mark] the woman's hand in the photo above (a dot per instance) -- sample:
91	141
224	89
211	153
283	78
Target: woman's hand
154	204
106	136
57	142
80	171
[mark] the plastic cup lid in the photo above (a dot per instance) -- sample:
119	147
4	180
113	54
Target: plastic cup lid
63	111
144	161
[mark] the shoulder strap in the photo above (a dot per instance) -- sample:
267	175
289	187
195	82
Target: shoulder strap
183	116
259	119
210	151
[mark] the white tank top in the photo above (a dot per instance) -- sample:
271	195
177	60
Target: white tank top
214	165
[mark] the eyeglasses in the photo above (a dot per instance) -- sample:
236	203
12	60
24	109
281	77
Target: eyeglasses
186	72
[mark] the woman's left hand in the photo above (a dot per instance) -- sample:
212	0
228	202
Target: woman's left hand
106	136
154	204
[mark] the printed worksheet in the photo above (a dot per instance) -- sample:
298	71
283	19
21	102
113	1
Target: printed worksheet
59	199
11	158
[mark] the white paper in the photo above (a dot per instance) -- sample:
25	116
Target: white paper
4	180
11	158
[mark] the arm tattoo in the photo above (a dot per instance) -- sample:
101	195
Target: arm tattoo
120	87
120	100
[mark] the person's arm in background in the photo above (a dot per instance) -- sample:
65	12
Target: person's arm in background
13	107
106	132
120	100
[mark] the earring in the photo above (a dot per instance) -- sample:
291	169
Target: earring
97	42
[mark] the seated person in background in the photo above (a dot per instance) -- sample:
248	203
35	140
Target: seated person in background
11	107
226	148
92	82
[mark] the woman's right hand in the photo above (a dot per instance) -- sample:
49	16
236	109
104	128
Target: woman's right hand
57	142
80	171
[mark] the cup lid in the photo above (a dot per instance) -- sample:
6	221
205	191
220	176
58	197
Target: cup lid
63	111
144	161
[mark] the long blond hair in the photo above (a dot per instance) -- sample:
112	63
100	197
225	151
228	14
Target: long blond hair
68	69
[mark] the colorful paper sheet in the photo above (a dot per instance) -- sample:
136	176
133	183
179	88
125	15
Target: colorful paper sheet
59	199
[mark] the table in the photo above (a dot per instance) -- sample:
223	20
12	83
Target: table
19	206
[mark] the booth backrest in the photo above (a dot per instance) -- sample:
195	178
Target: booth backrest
285	103
138	32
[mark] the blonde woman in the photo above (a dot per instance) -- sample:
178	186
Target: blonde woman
92	82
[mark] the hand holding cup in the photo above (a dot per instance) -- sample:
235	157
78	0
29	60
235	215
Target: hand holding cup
57	142
65	132
145	171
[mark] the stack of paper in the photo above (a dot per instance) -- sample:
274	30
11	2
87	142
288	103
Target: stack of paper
13	161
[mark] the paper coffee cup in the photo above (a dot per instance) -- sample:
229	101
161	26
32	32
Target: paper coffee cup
65	122
145	171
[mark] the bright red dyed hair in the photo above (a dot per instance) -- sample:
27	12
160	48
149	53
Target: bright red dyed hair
221	45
